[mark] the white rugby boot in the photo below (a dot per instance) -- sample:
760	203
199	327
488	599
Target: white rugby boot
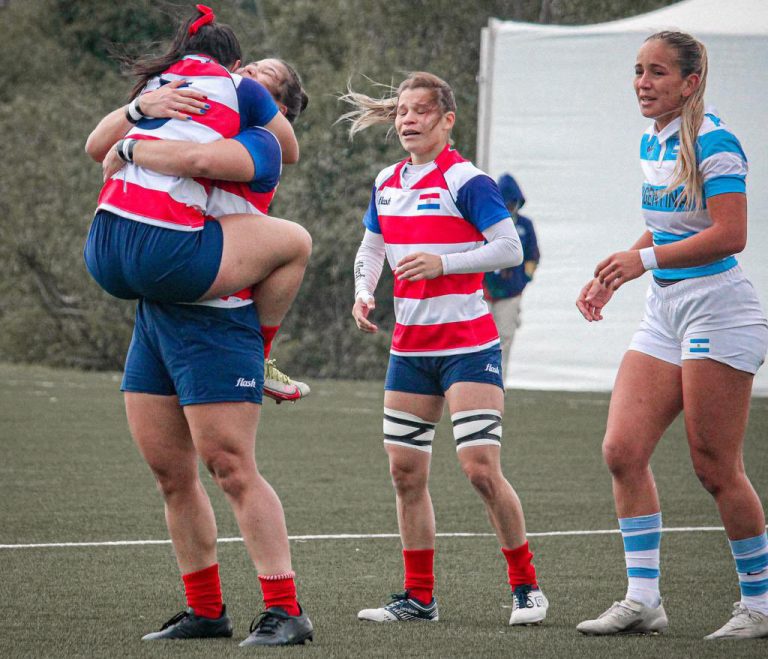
401	608
627	617
744	623
279	387
529	606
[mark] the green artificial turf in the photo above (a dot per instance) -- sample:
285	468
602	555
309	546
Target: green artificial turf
69	473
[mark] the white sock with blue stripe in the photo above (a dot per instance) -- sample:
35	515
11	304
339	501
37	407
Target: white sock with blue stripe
751	556
642	538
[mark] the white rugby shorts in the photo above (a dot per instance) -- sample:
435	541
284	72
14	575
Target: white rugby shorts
717	317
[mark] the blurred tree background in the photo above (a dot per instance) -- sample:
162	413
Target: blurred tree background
59	76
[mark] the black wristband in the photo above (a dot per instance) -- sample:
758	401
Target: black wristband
125	149
133	111
129	149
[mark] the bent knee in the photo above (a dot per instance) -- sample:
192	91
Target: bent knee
407	479
621	457
483	478
173	482
228	472
302	241
714	472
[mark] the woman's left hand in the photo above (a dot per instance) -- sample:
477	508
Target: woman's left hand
619	268
418	266
111	164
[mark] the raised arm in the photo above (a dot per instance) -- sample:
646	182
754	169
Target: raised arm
169	101
282	129
227	160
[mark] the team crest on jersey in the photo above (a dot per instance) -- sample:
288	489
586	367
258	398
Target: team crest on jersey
429	201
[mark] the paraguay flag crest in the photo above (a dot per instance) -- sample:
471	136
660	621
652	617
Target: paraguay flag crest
428	201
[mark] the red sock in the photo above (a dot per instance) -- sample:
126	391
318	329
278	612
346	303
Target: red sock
203	590
280	590
268	332
419	573
519	566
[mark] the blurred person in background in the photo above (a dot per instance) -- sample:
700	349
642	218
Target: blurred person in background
504	288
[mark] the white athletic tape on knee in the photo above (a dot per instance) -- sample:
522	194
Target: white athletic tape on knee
408	430
476	428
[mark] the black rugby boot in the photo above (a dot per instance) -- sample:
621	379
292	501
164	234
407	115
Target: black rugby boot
275	627
186	624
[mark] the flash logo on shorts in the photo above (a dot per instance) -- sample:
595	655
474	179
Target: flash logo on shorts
698	345
490	368
242	382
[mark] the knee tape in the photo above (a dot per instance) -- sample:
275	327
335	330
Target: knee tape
476	428
405	429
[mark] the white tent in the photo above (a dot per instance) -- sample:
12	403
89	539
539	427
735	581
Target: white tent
558	112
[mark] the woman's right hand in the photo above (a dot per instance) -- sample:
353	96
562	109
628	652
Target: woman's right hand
360	312
592	298
111	164
172	101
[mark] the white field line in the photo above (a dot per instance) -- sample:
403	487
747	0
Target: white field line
348	536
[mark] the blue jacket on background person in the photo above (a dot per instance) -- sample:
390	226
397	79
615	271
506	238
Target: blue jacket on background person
510	282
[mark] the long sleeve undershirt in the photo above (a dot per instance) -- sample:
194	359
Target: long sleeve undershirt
502	250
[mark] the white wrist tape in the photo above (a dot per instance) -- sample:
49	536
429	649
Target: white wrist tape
363	295
133	112
648	257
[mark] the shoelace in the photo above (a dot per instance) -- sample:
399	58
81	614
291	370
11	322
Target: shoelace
177	618
521	594
274	373
741	611
267	622
398	597
619	608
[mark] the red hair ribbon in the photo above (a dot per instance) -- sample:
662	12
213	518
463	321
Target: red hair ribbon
207	17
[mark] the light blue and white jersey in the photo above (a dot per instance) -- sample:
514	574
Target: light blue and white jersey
723	168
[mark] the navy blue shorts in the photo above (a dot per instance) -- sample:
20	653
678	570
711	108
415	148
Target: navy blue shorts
433	376
130	259
200	354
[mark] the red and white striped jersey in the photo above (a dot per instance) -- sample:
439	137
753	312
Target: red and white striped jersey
442	209
252	198
173	202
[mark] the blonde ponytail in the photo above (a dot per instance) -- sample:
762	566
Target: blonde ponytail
369	111
691	58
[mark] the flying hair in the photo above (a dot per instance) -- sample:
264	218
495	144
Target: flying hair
199	34
368	111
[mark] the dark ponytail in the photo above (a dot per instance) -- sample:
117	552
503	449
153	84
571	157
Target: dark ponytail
292	93
213	39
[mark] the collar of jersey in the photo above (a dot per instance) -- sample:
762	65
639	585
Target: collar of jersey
668	131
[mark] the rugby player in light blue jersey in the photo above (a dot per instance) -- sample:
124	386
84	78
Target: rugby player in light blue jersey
701	340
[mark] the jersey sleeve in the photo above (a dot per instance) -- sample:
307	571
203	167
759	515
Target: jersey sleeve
371	217
722	163
479	201
264	150
257	107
